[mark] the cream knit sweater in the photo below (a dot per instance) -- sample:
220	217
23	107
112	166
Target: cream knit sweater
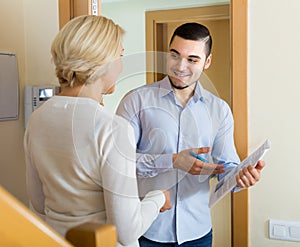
81	167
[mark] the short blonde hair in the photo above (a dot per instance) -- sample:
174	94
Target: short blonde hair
84	48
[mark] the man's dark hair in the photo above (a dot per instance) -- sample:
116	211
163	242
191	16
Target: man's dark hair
194	31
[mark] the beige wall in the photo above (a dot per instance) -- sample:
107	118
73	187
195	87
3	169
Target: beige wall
274	113
11	132
27	28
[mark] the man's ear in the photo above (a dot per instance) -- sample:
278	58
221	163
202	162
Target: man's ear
208	61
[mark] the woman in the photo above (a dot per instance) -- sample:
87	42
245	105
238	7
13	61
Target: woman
80	158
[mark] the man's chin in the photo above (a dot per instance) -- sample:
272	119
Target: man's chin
177	83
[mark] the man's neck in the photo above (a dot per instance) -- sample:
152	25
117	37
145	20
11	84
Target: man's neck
184	95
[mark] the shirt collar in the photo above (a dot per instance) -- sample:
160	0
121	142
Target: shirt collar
165	87
200	93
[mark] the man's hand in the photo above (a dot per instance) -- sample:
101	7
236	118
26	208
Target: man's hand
168	204
190	164
249	175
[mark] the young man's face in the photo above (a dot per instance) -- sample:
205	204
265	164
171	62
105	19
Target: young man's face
186	61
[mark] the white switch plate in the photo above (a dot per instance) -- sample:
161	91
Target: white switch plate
284	230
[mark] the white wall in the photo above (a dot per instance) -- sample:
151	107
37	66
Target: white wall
274	113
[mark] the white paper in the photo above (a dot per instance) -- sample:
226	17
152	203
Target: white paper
226	184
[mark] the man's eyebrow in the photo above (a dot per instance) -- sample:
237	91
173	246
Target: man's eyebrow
190	56
173	50
194	56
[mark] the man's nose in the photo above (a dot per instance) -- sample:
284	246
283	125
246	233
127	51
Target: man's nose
181	64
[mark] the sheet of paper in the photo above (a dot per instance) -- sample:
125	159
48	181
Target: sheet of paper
226	184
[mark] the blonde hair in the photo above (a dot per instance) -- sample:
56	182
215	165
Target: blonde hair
84	48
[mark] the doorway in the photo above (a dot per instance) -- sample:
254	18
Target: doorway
157	24
215	79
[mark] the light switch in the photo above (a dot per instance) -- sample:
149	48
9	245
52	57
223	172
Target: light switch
284	230
295	232
279	231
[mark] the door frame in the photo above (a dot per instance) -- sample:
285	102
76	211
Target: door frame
239	74
239	102
68	9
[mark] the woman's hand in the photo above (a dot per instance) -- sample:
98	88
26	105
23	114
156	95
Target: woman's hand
168	204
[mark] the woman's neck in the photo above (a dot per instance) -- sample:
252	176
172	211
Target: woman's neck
70	91
84	91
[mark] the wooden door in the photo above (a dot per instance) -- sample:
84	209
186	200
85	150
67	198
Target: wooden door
158	28
68	9
216	79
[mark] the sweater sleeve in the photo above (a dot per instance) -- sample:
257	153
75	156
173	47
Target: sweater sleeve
131	216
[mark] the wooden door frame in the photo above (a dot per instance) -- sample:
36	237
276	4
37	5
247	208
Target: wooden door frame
68	9
239	29
239	74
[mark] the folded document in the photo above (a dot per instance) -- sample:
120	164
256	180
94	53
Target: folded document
227	183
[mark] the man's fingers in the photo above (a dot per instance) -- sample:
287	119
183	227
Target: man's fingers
260	165
240	182
207	168
211	167
201	150
248	176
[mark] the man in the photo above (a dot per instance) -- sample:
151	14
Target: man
172	118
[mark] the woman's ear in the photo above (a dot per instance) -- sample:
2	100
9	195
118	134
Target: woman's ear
208	61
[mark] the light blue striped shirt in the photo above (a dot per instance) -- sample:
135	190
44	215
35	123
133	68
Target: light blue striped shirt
163	127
